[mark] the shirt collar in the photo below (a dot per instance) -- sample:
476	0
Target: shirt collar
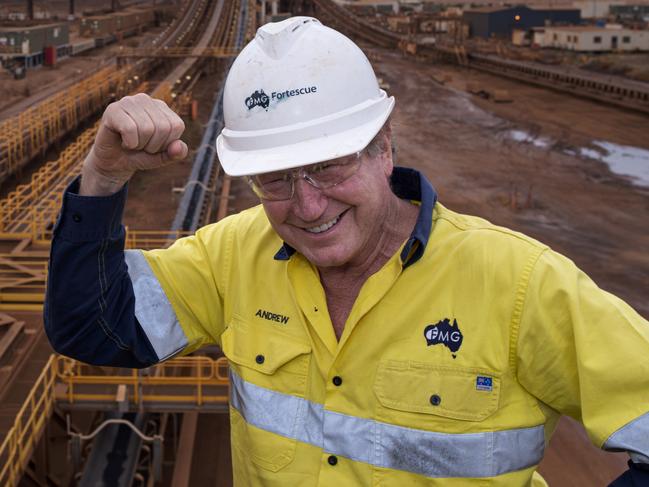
407	184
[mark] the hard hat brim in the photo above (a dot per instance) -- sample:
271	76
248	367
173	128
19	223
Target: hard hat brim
343	136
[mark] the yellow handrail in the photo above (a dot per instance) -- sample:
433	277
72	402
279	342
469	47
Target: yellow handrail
18	445
184	380
201	383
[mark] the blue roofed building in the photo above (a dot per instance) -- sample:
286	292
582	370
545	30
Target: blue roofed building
500	21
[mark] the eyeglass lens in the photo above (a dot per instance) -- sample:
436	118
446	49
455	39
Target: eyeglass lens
280	184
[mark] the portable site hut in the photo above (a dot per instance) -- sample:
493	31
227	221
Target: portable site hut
33	39
596	39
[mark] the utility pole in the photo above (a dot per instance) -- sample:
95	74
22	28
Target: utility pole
30	9
71	7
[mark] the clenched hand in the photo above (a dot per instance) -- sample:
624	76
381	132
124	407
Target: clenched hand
136	133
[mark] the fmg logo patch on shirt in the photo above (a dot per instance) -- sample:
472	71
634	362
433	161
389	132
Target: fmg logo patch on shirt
445	333
483	383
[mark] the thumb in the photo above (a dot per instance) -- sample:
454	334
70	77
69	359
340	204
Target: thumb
177	150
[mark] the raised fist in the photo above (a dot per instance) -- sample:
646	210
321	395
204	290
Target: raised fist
136	133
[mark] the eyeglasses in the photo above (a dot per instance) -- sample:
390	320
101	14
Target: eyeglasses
280	185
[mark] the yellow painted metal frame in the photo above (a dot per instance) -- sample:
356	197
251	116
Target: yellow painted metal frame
20	442
184	380
62	379
30	132
28	213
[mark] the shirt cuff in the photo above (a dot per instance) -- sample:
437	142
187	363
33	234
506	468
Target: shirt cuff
90	218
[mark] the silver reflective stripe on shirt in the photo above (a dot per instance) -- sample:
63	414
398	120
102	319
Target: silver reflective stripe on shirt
633	437
435	455
152	308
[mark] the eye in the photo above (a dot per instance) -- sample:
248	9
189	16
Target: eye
273	178
324	167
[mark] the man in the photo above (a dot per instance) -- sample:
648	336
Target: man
374	337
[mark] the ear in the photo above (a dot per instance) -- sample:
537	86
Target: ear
386	156
388	165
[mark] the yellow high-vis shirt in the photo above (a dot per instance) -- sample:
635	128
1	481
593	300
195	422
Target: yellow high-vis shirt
455	363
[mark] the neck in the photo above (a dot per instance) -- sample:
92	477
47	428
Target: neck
343	283
390	233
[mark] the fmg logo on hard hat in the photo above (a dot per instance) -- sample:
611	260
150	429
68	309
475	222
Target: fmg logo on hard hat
257	99
261	99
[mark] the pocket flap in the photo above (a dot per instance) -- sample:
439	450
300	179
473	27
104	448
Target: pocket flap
262	352
470	394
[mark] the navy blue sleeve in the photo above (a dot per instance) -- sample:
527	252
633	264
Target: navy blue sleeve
636	476
89	311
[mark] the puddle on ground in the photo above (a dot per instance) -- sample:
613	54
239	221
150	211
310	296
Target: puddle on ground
522	136
624	160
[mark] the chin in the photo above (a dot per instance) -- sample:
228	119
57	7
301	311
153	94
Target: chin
326	258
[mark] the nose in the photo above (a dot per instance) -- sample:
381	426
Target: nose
308	203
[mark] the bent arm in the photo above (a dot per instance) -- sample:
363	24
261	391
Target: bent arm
133	308
89	309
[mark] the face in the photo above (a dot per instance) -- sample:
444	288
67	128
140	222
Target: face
338	226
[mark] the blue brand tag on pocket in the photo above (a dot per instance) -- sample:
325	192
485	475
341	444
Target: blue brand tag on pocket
483	383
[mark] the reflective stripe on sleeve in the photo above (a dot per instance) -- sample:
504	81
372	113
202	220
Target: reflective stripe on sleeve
153	310
435	455
633	437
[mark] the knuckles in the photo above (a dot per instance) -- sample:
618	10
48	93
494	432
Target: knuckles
179	125
131	117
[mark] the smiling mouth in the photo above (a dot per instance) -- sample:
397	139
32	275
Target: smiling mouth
325	226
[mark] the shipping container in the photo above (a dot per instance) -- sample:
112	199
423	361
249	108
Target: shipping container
98	26
127	21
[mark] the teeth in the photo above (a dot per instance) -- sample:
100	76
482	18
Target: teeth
324	226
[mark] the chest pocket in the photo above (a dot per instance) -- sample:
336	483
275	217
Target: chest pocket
427	399
268	382
465	394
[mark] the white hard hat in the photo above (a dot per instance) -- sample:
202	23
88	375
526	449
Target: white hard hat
297	94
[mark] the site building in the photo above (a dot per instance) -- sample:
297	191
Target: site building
385	7
631	12
30	40
596	10
501	21
596	39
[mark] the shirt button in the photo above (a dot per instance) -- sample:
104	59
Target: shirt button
337	380
76	218
260	359
332	460
435	400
